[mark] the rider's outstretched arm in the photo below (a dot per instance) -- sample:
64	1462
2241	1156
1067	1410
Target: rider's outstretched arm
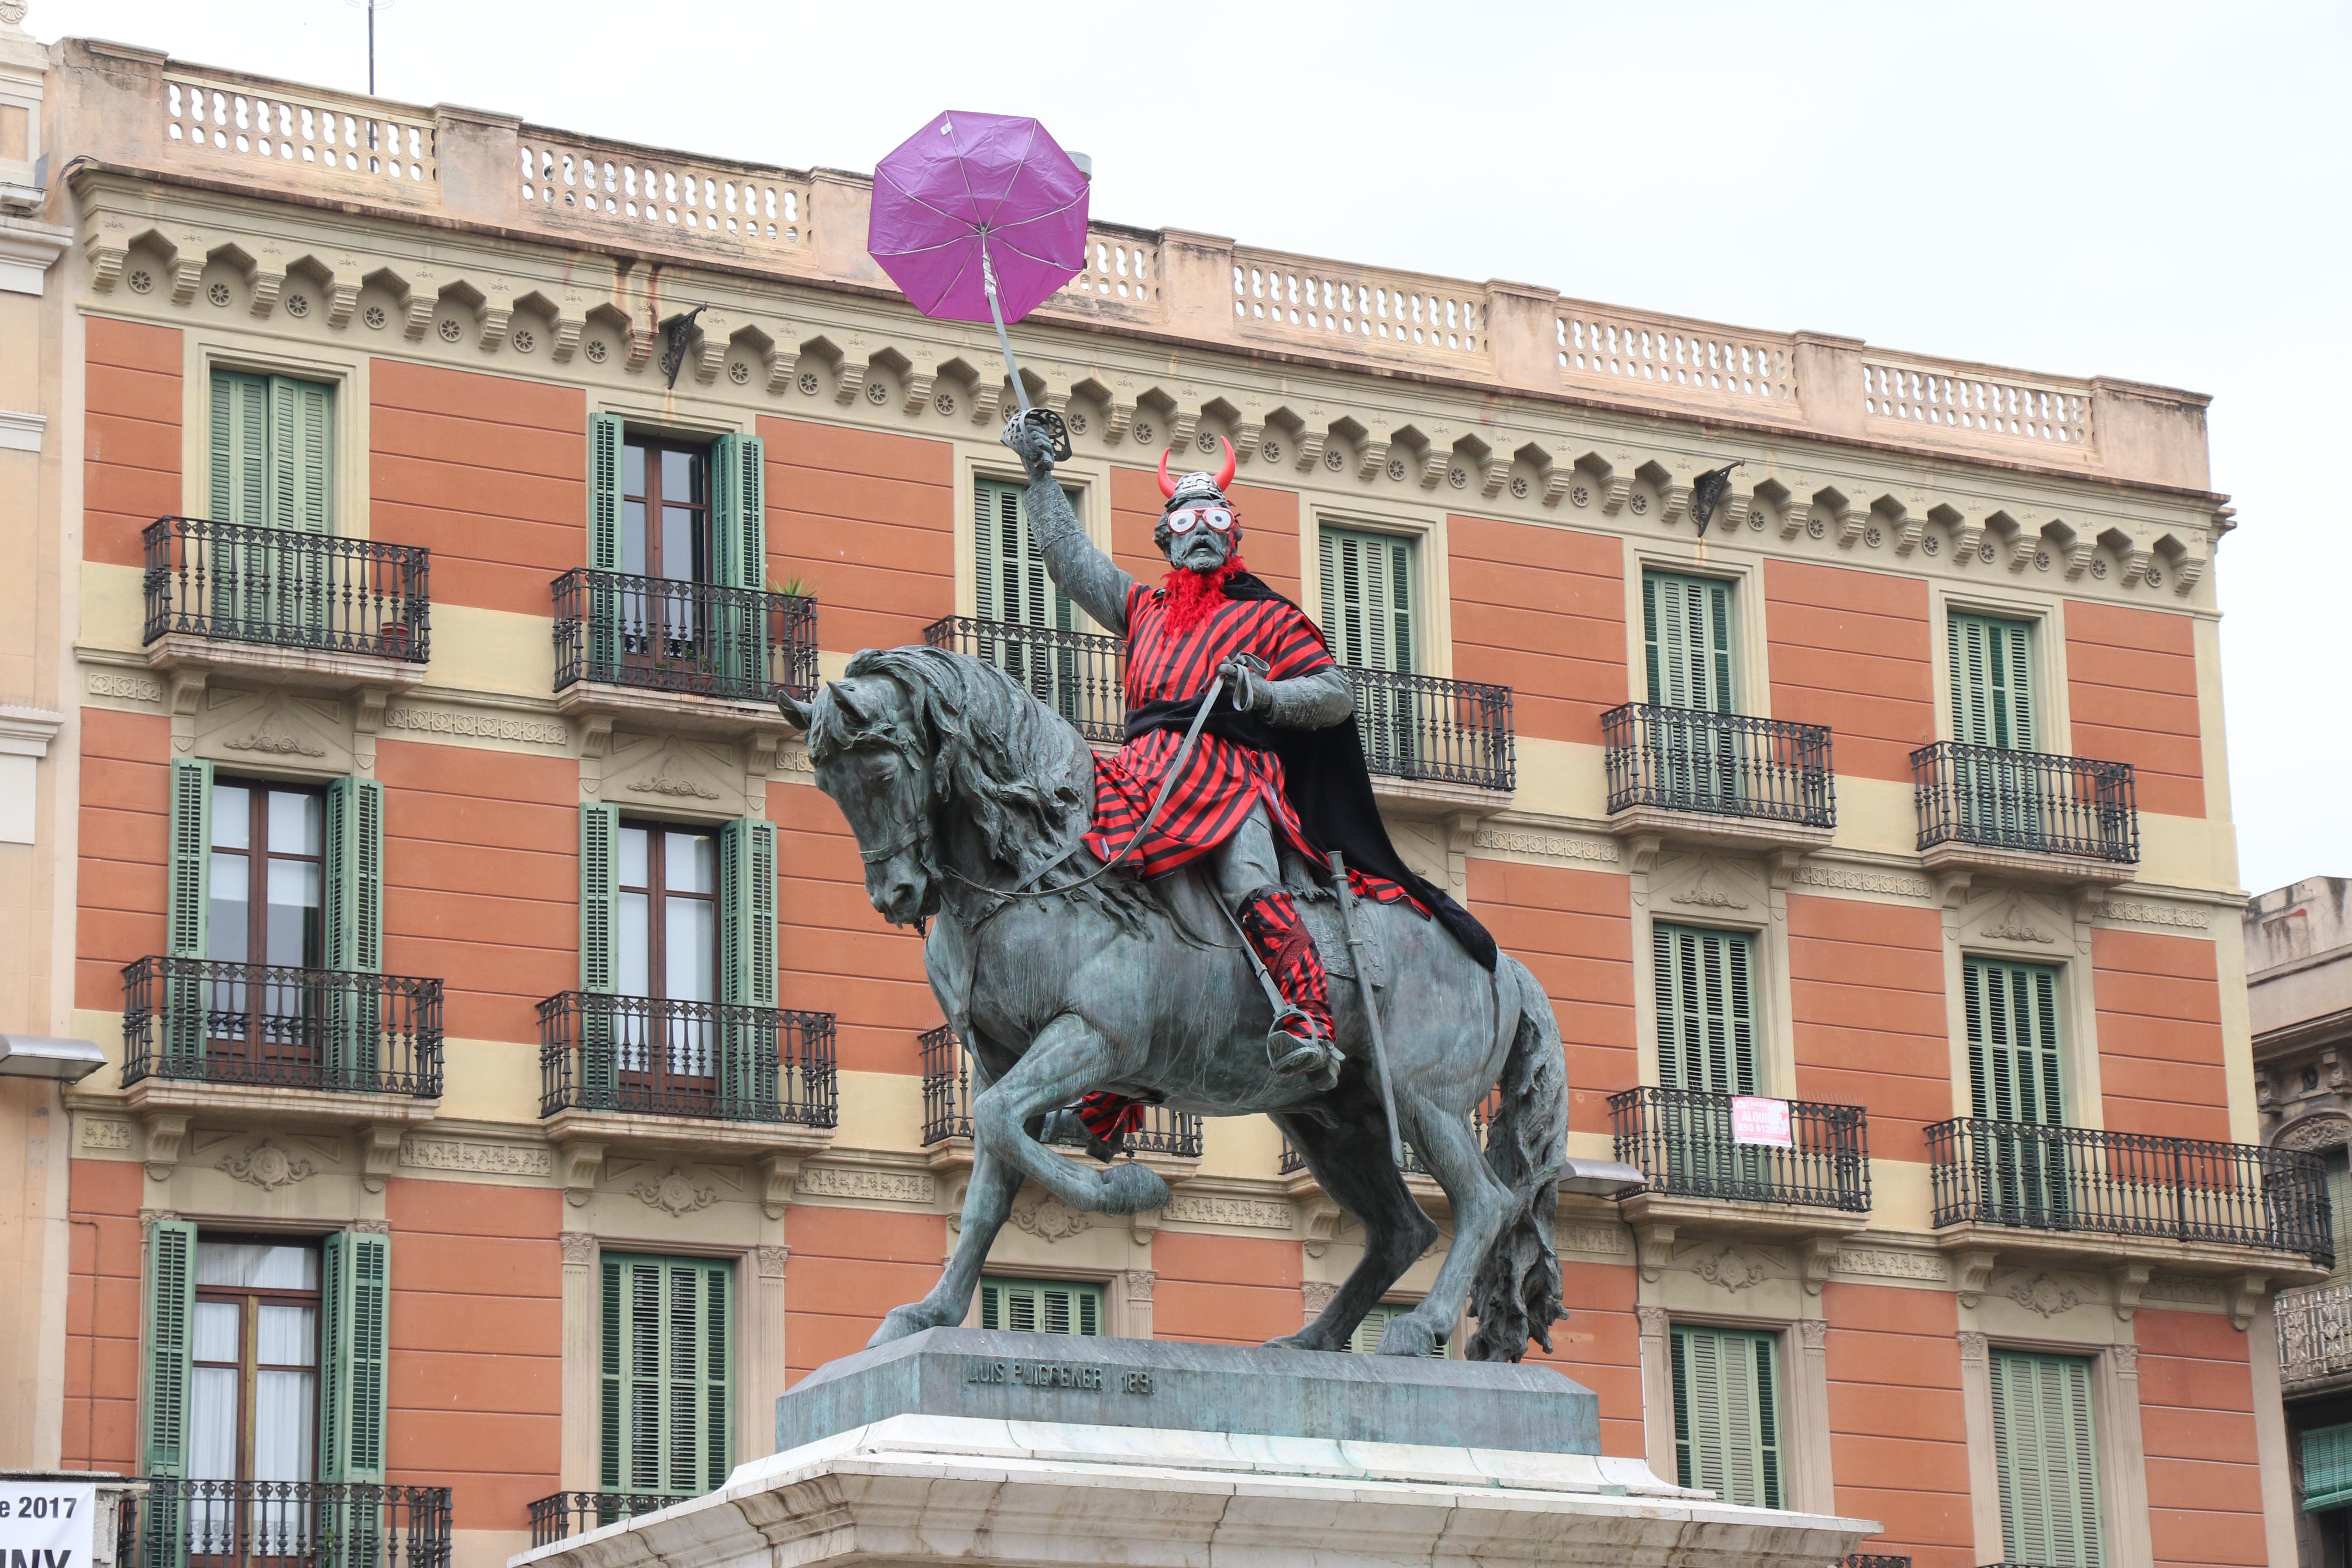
1314	702
1077	568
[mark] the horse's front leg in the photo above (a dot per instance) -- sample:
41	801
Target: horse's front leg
1068	1058
1445	1144
986	1201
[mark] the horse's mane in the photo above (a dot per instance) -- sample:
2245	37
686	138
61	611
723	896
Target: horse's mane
1015	764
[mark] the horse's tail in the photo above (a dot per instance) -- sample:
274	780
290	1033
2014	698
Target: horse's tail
1516	1296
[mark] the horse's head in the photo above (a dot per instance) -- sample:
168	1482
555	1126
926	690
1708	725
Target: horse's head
936	756
869	748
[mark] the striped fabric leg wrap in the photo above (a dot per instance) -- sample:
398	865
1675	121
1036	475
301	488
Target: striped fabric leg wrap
1271	921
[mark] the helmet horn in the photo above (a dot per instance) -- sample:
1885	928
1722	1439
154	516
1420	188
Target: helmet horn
1225	474
1167	485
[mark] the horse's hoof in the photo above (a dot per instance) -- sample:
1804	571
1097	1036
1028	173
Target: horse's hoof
899	1322
1408	1336
1130	1188
1297	1341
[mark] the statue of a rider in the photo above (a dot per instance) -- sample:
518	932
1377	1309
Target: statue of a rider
1284	741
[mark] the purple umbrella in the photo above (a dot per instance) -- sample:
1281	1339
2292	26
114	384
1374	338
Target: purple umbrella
980	217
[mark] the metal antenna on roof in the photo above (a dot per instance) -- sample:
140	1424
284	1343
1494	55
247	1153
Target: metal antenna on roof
371	7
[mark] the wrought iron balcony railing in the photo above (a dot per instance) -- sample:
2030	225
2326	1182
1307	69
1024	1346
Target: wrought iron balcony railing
1721	764
1413	726
2033	1177
248	1524
1481	1116
2315	1334
216	1022
1874	1560
716	1061
282	587
1682	1141
665	635
566	1514
947	1107
2025	801
1082	676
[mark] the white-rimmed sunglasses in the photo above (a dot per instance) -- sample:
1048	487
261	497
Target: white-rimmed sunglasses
1219	519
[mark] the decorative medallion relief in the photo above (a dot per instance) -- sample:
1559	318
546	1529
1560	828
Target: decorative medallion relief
676	1194
267	1166
675	774
1049	1219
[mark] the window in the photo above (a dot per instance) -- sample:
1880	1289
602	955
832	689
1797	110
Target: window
1368	599
1009	579
253	1397
2013	1042
265	1359
1993	682
1707	1021
273	452
2326	1468
281	875
1727	1414
1366	1339
1686	641
669	912
1041	1307
2338	1164
2045	1449
668	1347
665	510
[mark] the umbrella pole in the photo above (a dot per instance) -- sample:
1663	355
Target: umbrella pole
1011	367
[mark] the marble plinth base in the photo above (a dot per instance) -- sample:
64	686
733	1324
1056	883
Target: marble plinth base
1171	1386
920	1489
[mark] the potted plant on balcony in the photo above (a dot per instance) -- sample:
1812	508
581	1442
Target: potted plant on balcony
392	639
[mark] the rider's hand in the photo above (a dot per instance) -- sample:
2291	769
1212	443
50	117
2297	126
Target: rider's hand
1034	442
1250	692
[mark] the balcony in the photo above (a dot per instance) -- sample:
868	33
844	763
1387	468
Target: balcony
285	606
686	655
566	1514
2127	1199
712	1079
1445	742
1169	1140
1696	777
1701	1174
2025	814
281	1524
2315	1339
278	1047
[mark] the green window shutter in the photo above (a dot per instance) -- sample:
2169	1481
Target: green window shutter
2326	1468
1707	1008
239	439
2045	1453
1009	578
739	510
605	492
1366	1339
1993	682
600	898
301	455
1687	639
2014	1045
192	838
666	1363
354	876
355	1342
1368	599
1042	1307
747	960
1727	1414
171	1313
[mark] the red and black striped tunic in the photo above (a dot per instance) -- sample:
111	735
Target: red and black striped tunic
1221	780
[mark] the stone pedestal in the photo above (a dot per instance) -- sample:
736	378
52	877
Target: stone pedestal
1039	1450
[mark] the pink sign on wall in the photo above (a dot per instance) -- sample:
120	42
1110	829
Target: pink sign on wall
1757	1121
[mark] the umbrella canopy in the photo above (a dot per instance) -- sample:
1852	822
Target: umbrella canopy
967	181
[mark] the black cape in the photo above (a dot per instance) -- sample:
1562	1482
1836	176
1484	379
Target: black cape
1327	784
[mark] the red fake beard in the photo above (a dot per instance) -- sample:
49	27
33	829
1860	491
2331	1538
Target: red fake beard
1192	595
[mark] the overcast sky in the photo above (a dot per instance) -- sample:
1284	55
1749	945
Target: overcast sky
2151	190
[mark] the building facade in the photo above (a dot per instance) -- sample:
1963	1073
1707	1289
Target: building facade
512	1089
2299	1001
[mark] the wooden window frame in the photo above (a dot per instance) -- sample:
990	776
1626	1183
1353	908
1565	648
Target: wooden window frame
658	893
249	1300
704	567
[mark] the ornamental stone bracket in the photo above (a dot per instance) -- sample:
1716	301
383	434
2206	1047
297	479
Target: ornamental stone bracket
579	1167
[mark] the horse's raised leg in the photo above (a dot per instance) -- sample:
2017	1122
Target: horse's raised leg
986	1201
1067	1059
1352	1162
1481	1205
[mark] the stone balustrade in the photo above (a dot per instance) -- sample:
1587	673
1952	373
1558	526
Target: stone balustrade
678	209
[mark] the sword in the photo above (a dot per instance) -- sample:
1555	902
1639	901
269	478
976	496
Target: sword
1372	1002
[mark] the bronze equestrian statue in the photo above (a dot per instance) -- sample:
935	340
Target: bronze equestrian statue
1141	928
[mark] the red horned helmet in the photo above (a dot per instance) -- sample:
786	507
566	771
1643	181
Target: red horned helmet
1198	488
